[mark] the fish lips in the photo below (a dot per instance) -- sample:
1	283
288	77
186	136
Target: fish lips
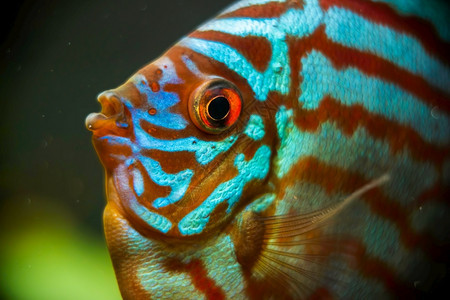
112	117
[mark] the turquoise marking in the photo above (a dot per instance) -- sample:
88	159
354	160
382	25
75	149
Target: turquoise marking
306	20
134	243
178	183
350	86
351	30
431	11
162	101
163	285
376	229
222	267
191	66
230	191
362	287
261	83
138	182
255	128
246	27
262	203
218	258
247	3
290	141
359	153
275	31
205	151
152	219
342	26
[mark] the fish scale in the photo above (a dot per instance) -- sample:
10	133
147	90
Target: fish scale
286	149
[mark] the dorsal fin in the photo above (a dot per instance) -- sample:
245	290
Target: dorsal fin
291	253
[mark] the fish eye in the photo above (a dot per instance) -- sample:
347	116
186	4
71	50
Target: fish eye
215	105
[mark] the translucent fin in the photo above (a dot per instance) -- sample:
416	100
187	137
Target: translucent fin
293	254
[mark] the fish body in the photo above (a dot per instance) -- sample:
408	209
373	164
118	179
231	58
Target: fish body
284	150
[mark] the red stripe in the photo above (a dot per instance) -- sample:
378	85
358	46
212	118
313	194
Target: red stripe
334	179
349	118
199	277
371	267
370	64
257	50
384	14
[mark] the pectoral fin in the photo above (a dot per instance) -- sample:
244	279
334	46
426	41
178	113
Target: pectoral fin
293	254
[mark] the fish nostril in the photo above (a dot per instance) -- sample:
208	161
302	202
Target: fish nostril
112	110
111	104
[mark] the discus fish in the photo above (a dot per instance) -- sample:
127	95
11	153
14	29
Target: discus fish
284	150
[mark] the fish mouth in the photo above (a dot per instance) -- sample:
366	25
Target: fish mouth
112	115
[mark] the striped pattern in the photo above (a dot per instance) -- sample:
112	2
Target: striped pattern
335	94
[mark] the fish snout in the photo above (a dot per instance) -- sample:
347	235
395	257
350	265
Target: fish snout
111	116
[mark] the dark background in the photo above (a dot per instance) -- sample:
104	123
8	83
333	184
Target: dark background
55	57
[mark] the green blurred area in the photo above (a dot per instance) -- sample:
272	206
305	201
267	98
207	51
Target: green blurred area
47	255
55	57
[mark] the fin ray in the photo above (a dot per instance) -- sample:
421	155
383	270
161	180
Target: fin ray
293	252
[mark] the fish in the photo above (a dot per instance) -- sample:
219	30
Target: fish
285	149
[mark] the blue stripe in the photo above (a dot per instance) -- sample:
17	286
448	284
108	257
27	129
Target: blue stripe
274	29
290	141
192	66
245	27
273	79
351	30
262	203
342	26
276	76
178	183
255	128
161	100
350	87
247	3
205	151
230	191
152	219
301	23
381	236
435	12
359	153
138	182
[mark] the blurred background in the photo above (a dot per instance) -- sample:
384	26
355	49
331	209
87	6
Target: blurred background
55	57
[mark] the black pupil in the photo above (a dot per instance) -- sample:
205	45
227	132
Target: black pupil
218	108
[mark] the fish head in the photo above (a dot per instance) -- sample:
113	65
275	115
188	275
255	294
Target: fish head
185	145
